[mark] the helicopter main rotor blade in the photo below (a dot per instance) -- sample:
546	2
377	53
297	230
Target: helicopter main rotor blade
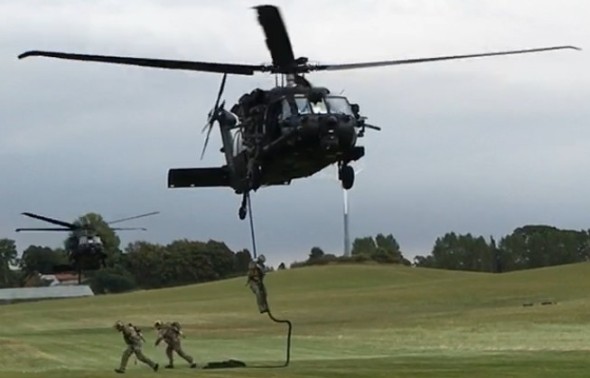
129	228
134	217
237	69
277	38
51	220
42	229
334	67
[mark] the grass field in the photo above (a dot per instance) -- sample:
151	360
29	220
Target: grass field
348	321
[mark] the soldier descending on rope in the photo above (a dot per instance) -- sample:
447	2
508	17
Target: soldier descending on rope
255	281
171	334
134	340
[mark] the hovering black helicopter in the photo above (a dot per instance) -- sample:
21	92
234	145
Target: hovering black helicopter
87	250
271	137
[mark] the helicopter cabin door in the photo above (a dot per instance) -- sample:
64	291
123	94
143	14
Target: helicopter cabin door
277	112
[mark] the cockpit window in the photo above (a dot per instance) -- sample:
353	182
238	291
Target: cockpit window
302	105
339	105
319	107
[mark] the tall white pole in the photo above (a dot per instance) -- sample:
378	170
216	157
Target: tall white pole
346	234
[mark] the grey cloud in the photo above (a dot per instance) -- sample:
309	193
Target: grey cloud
482	146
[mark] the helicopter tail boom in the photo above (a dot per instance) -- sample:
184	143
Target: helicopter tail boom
198	177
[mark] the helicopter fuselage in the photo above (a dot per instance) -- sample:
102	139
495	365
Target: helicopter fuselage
273	137
290	133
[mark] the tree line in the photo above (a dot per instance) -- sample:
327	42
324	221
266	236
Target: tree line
144	265
140	265
527	247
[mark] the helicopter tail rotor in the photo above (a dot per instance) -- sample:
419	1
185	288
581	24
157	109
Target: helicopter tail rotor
213	114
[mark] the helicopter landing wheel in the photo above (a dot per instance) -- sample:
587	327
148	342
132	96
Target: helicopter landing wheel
243	211
347	176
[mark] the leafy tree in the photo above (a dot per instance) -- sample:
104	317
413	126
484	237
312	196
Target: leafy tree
8	257
112	280
316	253
110	240
363	246
537	246
242	261
382	248
459	252
38	259
143	261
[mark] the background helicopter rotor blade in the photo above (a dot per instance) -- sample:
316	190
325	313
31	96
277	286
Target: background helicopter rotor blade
43	229
129	228
335	67
133	217
237	69
51	220
213	114
277	38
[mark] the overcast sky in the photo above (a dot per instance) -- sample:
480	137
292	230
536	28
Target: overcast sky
480	146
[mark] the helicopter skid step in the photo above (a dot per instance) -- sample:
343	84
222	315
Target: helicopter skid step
198	177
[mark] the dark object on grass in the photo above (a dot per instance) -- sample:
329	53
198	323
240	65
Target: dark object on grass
224	364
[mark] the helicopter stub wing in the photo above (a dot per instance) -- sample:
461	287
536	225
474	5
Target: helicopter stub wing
198	177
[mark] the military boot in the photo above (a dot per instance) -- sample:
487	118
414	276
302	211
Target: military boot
156	366
169	366
120	371
193	365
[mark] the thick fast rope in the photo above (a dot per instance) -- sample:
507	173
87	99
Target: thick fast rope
251	225
289	325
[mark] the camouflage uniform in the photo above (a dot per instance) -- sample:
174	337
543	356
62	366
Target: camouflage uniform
255	278
171	334
134	340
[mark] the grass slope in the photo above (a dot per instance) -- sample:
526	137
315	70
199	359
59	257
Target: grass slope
374	321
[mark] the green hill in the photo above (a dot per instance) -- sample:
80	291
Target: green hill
352	321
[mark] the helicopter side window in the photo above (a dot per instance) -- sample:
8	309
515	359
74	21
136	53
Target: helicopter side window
237	139
286	109
339	105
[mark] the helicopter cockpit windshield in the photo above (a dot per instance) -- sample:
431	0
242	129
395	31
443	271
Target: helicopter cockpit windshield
339	105
303	106
331	104
89	240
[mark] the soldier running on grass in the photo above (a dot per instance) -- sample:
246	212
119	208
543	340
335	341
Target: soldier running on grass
134	341
171	334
